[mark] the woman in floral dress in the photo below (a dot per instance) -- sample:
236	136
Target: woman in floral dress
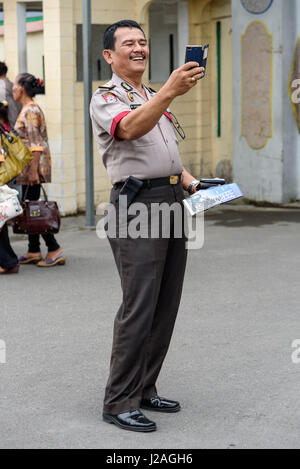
31	127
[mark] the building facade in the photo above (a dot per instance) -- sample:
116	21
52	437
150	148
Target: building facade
266	119
232	131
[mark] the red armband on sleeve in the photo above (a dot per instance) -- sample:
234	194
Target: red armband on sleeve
115	122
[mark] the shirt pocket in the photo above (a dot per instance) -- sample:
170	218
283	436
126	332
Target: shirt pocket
147	140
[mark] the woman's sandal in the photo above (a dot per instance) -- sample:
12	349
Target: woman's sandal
60	260
29	260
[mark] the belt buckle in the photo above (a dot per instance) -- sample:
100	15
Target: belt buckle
174	180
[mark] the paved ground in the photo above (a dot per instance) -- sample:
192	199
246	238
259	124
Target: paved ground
230	360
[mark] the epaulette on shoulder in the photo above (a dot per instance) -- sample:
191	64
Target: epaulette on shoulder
107	87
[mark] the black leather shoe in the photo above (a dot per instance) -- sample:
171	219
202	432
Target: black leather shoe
160	404
135	421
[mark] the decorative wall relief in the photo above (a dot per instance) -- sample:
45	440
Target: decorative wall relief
256	85
294	83
257	7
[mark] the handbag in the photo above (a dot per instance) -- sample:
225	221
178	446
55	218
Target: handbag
10	206
14	155
39	217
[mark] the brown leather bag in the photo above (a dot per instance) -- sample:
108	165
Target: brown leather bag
39	217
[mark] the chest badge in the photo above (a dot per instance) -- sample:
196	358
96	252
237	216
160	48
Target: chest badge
126	86
130	96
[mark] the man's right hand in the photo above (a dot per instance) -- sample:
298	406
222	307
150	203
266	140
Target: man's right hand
183	79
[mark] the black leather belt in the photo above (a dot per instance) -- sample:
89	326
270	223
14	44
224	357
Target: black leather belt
166	181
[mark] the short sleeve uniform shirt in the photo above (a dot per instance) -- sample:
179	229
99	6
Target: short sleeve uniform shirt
152	156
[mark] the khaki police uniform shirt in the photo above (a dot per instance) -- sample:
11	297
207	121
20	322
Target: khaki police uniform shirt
152	156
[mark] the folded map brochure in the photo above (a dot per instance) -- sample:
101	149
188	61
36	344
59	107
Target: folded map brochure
208	198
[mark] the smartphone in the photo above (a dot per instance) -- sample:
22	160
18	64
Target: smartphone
213	182
194	54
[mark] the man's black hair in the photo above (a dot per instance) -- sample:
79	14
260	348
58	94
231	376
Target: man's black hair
109	35
3	69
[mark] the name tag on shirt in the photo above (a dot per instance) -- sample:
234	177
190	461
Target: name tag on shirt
134	106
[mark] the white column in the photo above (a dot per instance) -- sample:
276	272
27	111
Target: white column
291	140
22	36
60	68
183	29
271	172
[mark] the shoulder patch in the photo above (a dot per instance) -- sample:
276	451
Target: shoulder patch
110	98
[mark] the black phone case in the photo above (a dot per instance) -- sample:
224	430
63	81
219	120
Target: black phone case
194	54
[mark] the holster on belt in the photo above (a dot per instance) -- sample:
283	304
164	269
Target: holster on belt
131	188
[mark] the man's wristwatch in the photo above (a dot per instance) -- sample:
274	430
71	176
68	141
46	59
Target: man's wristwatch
192	185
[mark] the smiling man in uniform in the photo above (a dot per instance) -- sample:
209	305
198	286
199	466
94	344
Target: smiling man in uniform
136	137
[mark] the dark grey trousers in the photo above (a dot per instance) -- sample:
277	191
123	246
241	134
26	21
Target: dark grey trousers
152	273
8	258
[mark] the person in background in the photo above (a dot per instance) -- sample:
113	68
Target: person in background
4	115
8	259
6	94
31	127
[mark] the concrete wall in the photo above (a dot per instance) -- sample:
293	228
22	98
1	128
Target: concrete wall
35	52
35	48
291	137
270	173
214	154
60	69
163	23
258	171
2	54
